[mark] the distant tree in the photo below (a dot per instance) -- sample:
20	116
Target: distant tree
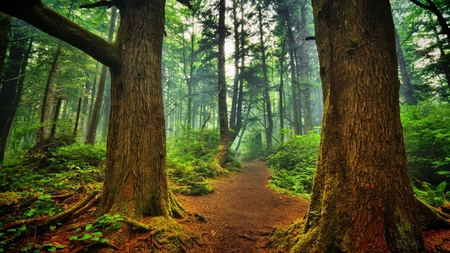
266	87
223	149
93	122
12	79
362	198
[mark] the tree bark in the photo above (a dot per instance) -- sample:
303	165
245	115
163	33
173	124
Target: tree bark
12	84
296	103
304	68
48	98
269	126
5	29
136	181
223	149
362	198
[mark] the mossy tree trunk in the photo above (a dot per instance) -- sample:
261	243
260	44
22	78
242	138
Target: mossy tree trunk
136	183
362	199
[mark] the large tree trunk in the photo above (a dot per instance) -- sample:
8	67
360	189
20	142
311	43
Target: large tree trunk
362	199
136	182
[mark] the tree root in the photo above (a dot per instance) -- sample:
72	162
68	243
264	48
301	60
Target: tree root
177	210
43	222
432	218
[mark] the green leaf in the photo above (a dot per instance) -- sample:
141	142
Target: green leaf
73	237
61	246
85	237
98	233
88	227
51	249
441	186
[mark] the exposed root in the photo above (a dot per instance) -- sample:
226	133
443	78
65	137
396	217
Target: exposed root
431	217
164	234
176	209
43	222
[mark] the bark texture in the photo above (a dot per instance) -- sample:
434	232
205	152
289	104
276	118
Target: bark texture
136	181
362	199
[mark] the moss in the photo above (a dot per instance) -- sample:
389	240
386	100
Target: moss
167	235
403	242
281	239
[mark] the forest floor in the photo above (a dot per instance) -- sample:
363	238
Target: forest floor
239	216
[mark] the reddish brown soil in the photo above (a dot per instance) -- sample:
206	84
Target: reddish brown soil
241	212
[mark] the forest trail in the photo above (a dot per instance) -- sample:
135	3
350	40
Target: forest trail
241	212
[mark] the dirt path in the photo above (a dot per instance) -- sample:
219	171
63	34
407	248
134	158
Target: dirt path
241	212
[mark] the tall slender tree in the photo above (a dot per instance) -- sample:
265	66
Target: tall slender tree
224	145
12	81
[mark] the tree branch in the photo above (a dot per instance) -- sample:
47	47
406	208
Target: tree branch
51	22
421	5
108	4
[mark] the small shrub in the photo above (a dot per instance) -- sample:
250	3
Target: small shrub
293	165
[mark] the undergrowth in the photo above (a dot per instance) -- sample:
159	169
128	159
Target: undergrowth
293	164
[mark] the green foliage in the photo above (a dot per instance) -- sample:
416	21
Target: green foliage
294	163
432	195
93	232
67	168
426	130
253	147
44	205
189	161
77	155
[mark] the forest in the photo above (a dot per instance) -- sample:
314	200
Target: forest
124	123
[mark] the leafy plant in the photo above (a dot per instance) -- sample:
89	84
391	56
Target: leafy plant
432	195
93	232
294	163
